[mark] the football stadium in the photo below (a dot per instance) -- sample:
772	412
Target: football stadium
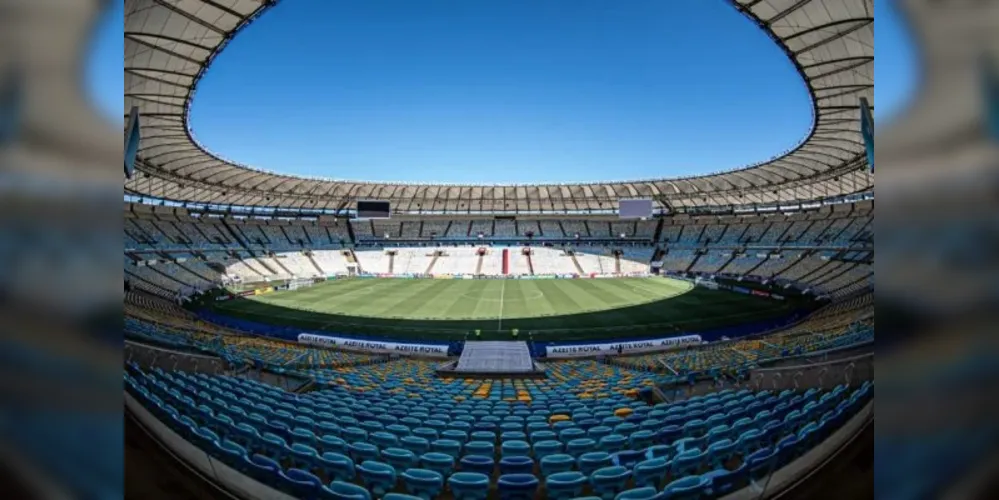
694	337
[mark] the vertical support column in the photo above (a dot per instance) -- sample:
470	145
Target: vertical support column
990	90
11	106
867	130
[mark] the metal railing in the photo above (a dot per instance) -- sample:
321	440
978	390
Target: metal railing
148	356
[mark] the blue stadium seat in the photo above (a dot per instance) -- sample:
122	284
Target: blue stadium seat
378	477
340	490
469	485
646	493
338	466
651	472
687	488
481	448
301	483
478	463
565	485
607	482
439	462
399	496
724	481
516	465
517	486
426	484
590	462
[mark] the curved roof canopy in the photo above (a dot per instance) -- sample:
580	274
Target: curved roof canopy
169	44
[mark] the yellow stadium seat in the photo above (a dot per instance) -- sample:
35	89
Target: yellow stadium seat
623	412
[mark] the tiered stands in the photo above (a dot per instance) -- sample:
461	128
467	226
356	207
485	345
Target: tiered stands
411	230
678	259
439	229
459	260
362	230
589	259
373	261
331	261
518	262
392	427
492	262
385	229
337	231
484	227
296	234
670	233
574	227
743	263
773	233
413	260
635	259
550	229
712	261
551	261
528	227
503	229
625	228
840	324
645	229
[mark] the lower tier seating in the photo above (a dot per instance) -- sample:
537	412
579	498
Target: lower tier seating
423	436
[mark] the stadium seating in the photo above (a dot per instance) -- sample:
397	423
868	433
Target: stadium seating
840	324
324	440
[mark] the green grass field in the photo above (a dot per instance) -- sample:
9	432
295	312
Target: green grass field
580	309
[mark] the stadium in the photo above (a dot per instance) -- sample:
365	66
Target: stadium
697	337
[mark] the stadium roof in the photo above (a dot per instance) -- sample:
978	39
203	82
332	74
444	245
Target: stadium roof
169	44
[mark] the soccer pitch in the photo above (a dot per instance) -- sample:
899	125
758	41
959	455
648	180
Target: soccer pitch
558	309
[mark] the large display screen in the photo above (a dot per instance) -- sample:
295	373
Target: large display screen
373	209
635	209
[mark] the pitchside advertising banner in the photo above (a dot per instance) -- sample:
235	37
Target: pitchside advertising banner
373	346
569	351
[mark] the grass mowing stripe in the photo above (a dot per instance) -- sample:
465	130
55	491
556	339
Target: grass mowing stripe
552	309
464	302
415	298
430	300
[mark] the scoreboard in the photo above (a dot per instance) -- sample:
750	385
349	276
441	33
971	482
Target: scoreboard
635	209
373	209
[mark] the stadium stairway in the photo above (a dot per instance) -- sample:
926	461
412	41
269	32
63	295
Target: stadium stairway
579	268
352	258
282	266
530	263
727	262
617	263
315	264
285	234
168	277
192	271
693	262
251	263
478	265
350	231
430	267
391	266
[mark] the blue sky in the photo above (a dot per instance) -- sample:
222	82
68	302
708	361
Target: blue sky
512	91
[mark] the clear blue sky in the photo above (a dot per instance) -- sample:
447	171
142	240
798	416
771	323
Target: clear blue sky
511	91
